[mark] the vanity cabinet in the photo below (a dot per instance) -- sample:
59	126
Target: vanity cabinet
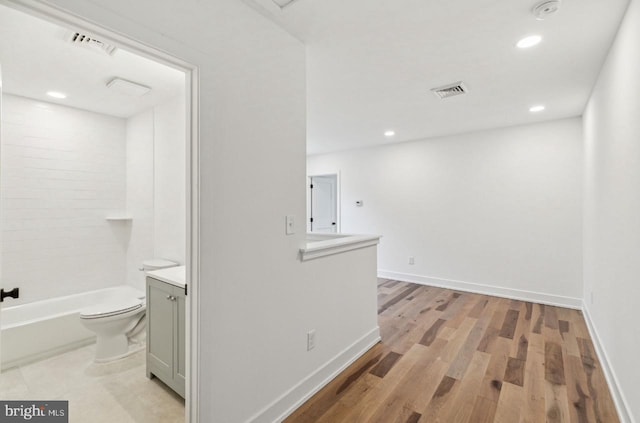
166	333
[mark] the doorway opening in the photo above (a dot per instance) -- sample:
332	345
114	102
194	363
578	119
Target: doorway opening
99	153
323	204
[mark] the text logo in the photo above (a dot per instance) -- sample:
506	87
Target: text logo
34	411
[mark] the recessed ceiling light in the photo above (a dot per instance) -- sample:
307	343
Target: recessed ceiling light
529	41
56	94
389	133
535	109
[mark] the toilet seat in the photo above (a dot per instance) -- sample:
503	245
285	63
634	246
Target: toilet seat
111	308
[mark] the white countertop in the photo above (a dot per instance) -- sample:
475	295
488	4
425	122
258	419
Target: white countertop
174	275
320	245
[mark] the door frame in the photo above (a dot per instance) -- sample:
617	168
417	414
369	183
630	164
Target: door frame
52	13
338	196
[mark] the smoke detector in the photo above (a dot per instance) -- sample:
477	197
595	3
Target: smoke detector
450	90
545	8
84	40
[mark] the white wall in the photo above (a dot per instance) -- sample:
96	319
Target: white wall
140	188
63	172
170	201
612	210
498	208
254	312
156	186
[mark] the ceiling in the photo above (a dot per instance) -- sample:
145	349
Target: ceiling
371	64
36	57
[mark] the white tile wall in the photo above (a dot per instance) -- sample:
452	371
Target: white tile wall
169	183
140	194
156	196
62	171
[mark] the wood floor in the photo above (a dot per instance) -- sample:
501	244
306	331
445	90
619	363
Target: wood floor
457	357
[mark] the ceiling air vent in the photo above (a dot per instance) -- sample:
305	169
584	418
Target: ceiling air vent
87	41
129	88
450	90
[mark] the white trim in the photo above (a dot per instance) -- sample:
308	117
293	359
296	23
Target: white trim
622	405
192	339
288	402
335	244
496	291
53	13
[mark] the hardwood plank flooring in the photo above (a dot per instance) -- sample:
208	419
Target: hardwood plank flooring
456	357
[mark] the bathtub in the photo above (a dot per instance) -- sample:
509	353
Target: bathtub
37	330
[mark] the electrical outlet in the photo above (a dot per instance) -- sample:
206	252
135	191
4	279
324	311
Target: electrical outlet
311	340
411	260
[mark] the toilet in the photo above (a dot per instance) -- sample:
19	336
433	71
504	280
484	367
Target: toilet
116	320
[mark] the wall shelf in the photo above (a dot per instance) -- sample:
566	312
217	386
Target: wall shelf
119	217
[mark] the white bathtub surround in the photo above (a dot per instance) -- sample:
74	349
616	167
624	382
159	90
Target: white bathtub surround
62	173
40	329
156	197
139	195
320	245
169	181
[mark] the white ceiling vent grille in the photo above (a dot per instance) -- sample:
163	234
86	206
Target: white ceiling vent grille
129	88
450	90
86	41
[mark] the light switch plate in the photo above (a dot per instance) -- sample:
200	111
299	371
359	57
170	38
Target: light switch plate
290	225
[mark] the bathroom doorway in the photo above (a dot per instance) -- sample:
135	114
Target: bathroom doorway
98	164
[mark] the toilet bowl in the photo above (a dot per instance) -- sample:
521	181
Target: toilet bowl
112	322
116	321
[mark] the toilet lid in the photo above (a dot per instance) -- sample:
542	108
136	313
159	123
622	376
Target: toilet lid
111	308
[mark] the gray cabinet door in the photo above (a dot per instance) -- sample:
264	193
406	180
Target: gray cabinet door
166	334
160	320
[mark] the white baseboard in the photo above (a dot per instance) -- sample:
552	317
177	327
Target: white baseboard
287	403
497	291
622	405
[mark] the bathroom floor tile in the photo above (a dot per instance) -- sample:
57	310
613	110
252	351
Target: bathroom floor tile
107	392
12	385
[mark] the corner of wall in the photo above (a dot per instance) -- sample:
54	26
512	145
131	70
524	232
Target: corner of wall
622	405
